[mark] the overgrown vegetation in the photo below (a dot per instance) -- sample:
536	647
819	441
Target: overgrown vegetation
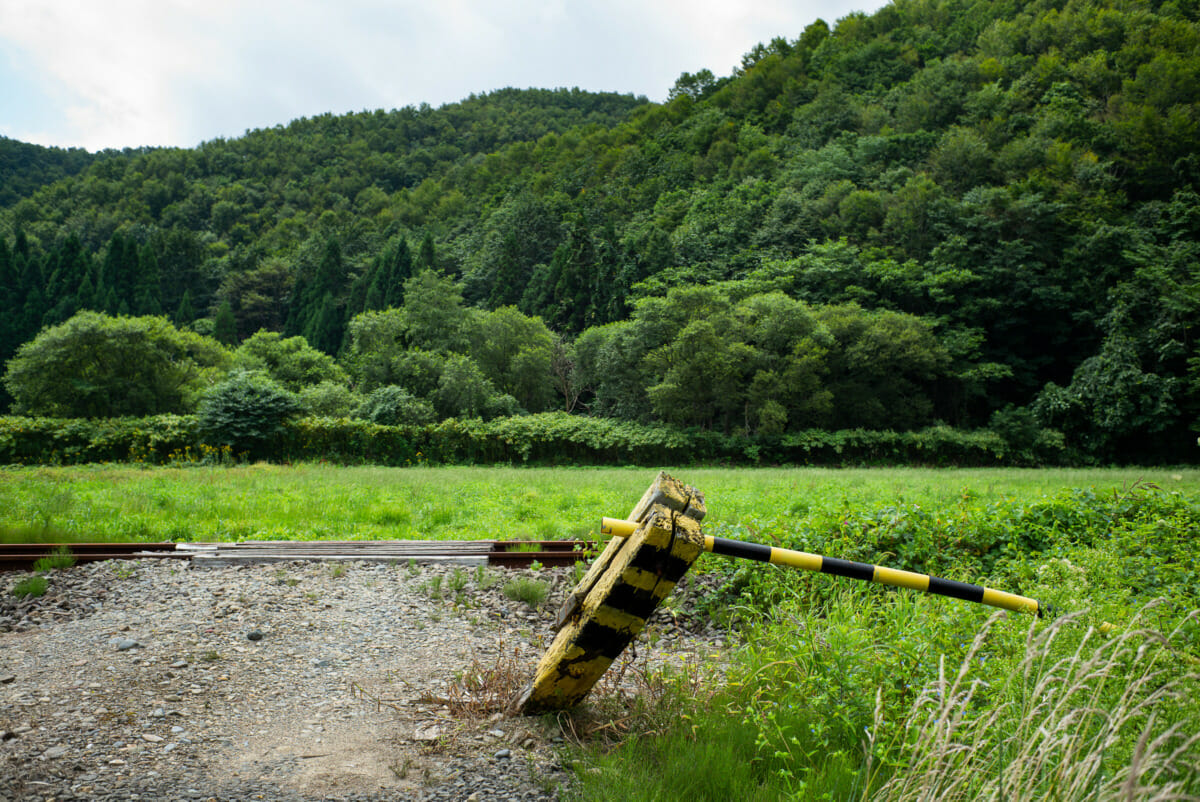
848	691
248	418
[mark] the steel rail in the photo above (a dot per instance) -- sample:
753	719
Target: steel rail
505	554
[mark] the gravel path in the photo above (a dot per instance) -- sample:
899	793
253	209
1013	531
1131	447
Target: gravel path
155	680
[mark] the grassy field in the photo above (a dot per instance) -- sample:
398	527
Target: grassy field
839	690
309	502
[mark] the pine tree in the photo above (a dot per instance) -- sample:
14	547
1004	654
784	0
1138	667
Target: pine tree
400	271
510	276
426	257
119	270
69	269
85	296
326	327
296	316
11	300
375	297
225	325
147	296
185	314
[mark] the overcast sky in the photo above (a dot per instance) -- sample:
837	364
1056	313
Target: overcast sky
125	73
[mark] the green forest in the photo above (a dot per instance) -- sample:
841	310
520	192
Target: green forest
974	214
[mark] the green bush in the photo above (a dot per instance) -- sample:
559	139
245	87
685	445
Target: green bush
329	400
290	361
261	420
246	413
53	441
393	405
343	440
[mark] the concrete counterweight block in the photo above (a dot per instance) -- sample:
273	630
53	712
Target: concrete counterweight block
610	607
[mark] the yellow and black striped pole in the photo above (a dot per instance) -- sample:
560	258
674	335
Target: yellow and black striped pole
853	570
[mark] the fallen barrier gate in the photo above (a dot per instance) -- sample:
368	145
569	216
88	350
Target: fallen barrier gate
649	553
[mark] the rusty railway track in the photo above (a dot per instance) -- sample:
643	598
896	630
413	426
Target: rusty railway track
502	553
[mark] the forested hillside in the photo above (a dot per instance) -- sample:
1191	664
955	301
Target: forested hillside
24	168
973	212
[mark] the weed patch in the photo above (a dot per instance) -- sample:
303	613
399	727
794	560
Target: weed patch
31	586
531	591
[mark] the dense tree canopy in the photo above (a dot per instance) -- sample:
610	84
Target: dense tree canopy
936	212
95	366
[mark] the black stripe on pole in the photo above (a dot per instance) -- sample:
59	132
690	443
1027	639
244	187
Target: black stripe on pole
955	590
635	601
660	563
846	568
603	639
737	548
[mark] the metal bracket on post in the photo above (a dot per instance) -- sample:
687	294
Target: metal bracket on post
623	587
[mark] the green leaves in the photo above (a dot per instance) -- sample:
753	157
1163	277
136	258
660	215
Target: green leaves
98	366
246	413
291	361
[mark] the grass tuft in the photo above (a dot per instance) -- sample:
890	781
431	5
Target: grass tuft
531	591
31	586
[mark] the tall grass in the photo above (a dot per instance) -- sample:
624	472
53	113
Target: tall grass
1102	718
1057	711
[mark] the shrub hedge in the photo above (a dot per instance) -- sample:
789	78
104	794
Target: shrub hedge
547	439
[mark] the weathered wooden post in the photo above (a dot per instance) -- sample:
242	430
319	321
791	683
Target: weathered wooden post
623	587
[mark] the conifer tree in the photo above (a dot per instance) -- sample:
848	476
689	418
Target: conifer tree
119	271
11	301
147	296
225	325
326	328
375	297
69	268
426	256
185	314
400	271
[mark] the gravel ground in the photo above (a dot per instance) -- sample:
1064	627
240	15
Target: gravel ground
156	680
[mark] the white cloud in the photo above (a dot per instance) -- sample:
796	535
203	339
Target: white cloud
175	72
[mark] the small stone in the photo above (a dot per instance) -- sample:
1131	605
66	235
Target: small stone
125	644
152	738
254	634
427	732
503	754
54	752
6	679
